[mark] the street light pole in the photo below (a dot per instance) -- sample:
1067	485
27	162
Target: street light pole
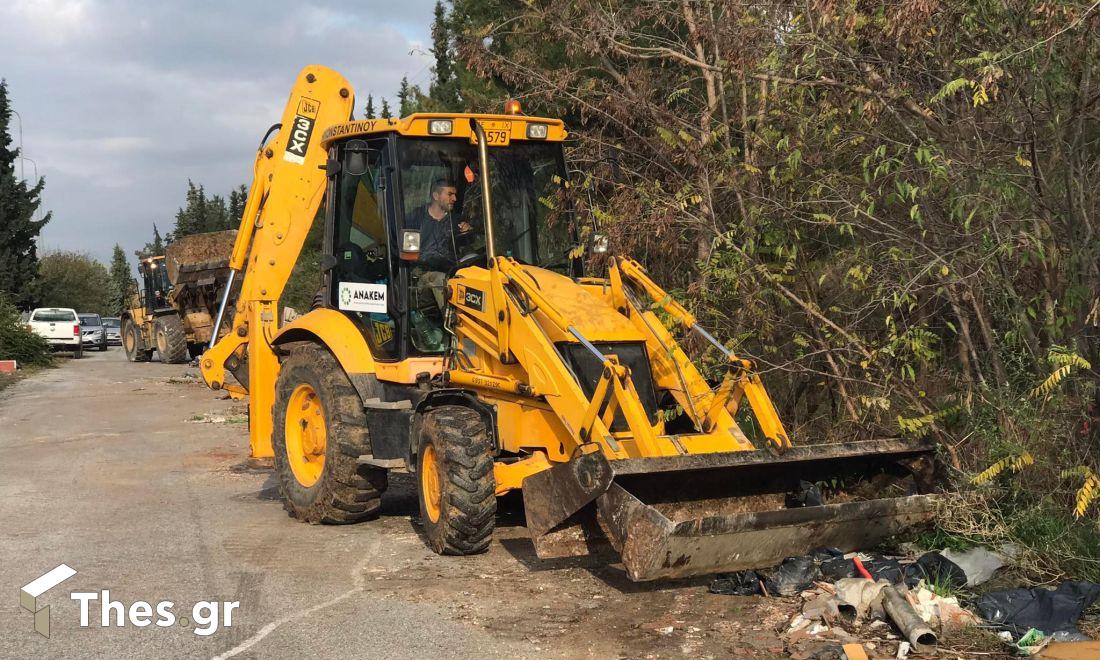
22	167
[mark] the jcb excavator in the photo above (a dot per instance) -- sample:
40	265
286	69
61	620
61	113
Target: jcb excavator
456	337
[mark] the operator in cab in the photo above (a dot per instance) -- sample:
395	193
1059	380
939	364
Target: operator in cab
441	236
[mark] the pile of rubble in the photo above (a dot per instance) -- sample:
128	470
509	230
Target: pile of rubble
854	598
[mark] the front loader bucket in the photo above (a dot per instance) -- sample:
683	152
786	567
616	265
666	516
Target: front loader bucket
689	515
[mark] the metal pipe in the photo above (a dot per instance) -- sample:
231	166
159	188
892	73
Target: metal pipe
587	344
706	335
908	621
221	309
486	193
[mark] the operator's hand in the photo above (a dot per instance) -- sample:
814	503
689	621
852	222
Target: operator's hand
464	227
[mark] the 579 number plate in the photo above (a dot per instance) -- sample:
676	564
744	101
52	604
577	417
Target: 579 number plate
497	133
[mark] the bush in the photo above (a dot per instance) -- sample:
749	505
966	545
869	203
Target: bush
16	342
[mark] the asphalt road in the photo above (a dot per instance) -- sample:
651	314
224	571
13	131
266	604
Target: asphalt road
132	474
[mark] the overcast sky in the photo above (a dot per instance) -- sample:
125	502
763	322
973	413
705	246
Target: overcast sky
125	100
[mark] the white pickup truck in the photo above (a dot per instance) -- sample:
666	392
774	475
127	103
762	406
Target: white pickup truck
60	326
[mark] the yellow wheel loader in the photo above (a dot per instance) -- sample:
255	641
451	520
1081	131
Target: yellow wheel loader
172	312
457	337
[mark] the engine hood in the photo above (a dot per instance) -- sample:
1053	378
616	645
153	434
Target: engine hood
592	316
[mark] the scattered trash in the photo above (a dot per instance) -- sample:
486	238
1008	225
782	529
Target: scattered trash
862	596
1053	612
741	583
795	574
978	564
935	568
1031	643
903	650
878	566
807	494
855	652
942	612
907	620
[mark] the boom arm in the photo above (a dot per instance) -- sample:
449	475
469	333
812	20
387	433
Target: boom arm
287	187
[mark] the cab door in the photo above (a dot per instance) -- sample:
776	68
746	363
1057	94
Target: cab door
359	277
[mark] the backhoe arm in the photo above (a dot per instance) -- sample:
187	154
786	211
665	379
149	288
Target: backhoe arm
288	185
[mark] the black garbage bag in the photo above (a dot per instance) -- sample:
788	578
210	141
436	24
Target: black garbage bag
880	568
808	494
795	574
1057	611
825	554
934	568
837	568
741	583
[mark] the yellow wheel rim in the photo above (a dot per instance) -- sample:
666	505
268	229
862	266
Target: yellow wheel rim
429	483
305	435
128	337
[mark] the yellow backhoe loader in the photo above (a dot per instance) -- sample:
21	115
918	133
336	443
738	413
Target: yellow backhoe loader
456	337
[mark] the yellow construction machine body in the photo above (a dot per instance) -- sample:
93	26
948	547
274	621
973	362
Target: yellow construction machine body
503	367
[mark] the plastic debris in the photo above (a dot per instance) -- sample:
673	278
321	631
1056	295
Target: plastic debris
741	583
808	494
1031	643
903	650
942	612
862	596
978	564
795	574
1055	613
935	568
880	568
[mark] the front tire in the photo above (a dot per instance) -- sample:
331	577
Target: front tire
320	430
78	352
171	340
132	343
457	488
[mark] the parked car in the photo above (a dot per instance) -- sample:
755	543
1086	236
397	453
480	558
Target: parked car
60	326
92	331
113	326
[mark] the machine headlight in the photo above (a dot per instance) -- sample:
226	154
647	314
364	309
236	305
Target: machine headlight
440	126
537	131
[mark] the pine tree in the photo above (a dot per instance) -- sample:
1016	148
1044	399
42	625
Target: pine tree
18	228
386	114
122	281
368	112
238	198
194	217
158	242
443	90
404	98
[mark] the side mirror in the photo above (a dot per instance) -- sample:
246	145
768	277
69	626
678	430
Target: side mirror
410	244
356	161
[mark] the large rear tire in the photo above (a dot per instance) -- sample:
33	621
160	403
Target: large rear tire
171	340
133	344
457	488
320	430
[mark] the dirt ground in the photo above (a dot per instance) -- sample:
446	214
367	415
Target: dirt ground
132	474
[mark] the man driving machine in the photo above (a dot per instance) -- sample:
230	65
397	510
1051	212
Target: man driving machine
440	237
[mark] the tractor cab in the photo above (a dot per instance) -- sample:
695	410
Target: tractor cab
154	284
405	210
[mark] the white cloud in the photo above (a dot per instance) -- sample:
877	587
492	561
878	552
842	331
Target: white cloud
124	101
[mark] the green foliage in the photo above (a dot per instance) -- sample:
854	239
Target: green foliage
202	214
19	229
17	342
122	282
305	279
76	280
895	208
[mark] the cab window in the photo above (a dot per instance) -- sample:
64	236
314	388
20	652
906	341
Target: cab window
360	244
